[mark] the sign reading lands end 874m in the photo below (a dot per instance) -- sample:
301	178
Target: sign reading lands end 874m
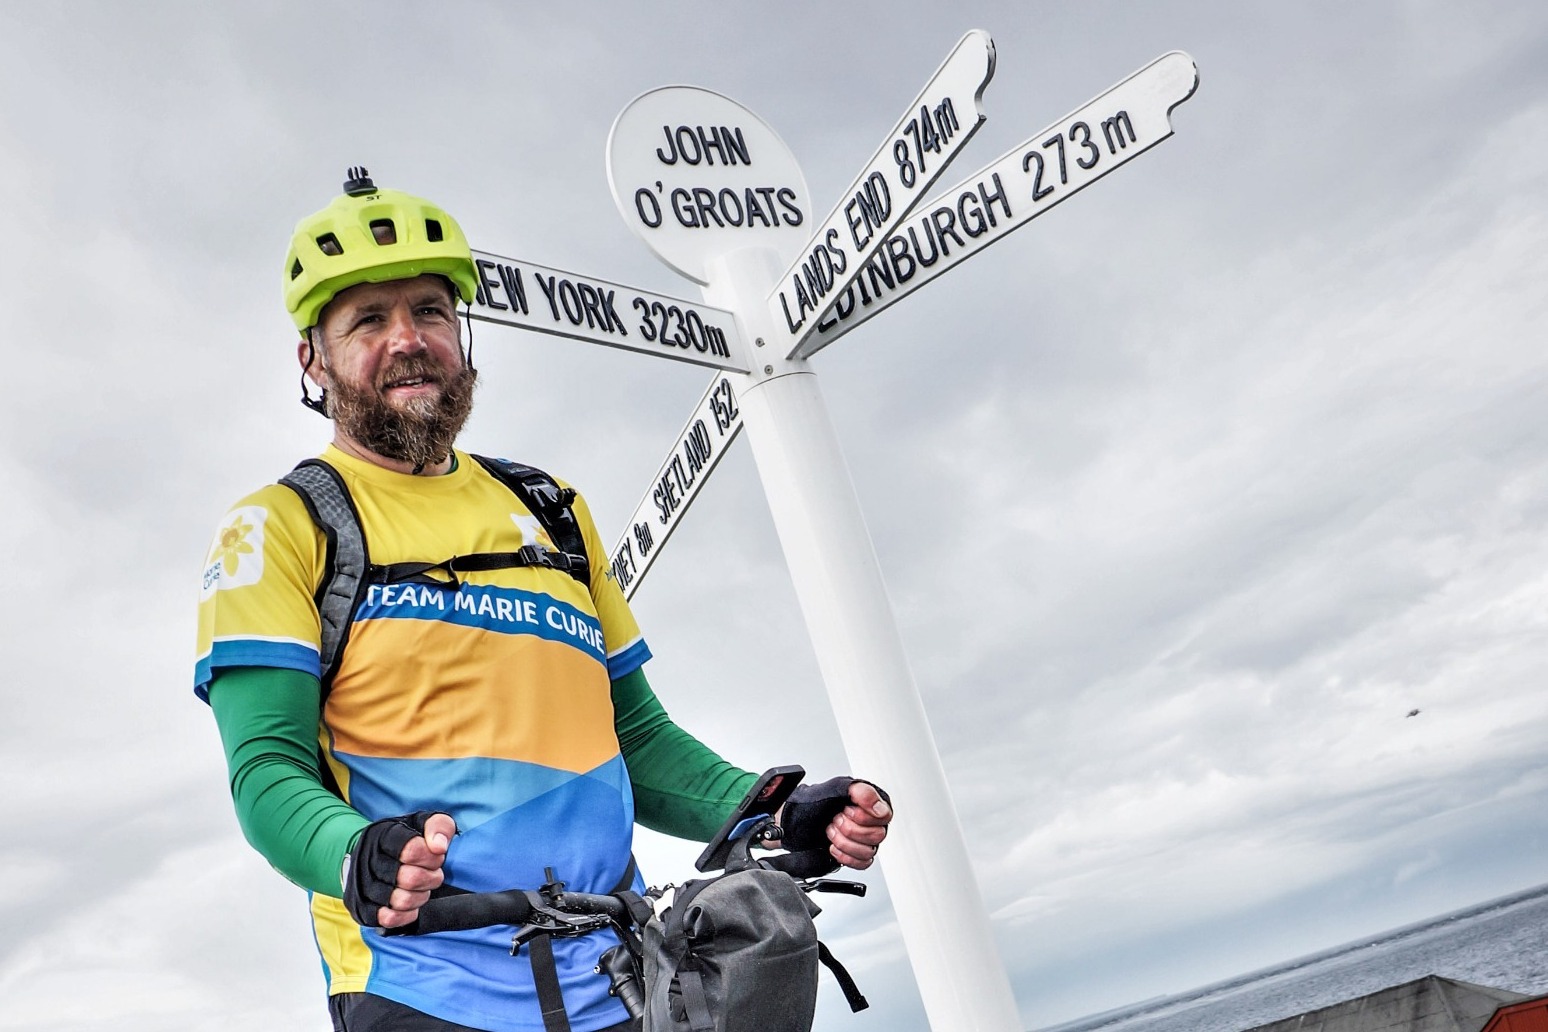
697	175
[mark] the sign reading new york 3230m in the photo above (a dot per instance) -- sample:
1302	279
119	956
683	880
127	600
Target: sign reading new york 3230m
696	175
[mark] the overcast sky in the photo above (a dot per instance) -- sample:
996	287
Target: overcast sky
1186	494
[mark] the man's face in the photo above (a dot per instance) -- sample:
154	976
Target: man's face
391	360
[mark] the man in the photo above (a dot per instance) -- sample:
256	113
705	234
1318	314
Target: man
480	724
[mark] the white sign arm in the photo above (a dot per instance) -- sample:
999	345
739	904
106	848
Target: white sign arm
533	297
1006	194
934	128
715	423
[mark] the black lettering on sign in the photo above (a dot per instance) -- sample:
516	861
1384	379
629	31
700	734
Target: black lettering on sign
569	300
723	406
703	144
943	221
547	286
648	207
623	566
1113	129
730	203
868	209
897	254
682	478
582	304
697	448
646	329
699	207
684	139
1057	140
787	200
1039	191
998	195
1082	130
665	496
705	199
591	301
970	214
515	292
682	207
643	538
486	286
715	341
815	278
755	210
608	314
935	254
878	273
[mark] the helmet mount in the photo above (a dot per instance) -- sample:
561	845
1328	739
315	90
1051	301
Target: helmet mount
358	182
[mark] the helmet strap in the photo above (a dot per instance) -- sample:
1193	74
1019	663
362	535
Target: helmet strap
319	404
467	317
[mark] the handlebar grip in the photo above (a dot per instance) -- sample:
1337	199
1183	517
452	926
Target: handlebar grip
808	863
593	903
471	910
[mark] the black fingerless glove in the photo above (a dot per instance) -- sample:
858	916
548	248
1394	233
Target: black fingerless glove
807	814
371	868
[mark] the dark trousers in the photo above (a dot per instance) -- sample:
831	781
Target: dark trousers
362	1012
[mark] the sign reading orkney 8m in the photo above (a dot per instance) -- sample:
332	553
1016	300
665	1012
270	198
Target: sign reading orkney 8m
939	122
713	426
1005	195
696	175
533	297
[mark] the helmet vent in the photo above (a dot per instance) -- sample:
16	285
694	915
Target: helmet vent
384	231
329	244
295	270
432	231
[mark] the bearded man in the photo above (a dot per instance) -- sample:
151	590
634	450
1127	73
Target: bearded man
477	712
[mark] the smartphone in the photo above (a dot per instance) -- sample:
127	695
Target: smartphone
765	797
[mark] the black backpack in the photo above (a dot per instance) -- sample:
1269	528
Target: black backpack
349	572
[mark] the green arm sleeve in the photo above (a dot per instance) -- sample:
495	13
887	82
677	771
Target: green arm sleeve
681	787
268	726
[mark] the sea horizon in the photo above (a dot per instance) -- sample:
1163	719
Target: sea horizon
1501	943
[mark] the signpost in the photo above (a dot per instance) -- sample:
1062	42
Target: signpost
715	193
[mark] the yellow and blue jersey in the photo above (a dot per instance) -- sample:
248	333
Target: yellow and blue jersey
490	702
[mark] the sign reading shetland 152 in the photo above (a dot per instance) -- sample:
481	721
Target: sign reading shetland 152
697	175
699	448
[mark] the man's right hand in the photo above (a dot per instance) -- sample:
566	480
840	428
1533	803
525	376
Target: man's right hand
394	867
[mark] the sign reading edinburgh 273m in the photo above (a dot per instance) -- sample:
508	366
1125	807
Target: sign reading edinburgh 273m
696	175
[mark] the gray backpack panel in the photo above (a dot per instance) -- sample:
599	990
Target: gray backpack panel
737	953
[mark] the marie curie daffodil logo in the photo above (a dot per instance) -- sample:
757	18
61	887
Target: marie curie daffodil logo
236	555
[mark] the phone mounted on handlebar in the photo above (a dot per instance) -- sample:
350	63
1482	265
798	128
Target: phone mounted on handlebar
753	815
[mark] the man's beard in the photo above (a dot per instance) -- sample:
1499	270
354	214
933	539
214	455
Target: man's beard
422	431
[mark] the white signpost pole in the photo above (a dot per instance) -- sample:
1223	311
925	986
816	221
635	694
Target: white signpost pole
838	581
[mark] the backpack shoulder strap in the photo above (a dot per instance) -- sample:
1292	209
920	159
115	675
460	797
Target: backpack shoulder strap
551	504
344	580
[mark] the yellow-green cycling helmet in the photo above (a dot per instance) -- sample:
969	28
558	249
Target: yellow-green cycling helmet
370	235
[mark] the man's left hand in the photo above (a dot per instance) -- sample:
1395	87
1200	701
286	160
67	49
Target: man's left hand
857	832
